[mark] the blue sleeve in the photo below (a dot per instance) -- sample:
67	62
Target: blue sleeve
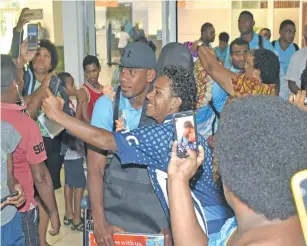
149	145
219	97
267	45
102	116
227	63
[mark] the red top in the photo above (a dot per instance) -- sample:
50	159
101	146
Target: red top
30	150
92	95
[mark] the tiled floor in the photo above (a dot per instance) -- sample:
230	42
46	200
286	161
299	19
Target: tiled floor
66	237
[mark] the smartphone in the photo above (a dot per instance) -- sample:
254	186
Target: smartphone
185	132
54	85
32	37
299	190
10	195
34	14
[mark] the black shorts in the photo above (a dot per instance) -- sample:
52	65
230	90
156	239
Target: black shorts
74	173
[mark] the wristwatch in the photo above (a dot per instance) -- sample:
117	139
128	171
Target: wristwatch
199	44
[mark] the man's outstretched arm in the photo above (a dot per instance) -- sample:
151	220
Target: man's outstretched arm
99	138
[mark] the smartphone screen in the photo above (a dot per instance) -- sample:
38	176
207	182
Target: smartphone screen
185	132
32	37
299	188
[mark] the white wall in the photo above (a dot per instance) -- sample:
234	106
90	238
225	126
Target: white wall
154	17
58	23
196	13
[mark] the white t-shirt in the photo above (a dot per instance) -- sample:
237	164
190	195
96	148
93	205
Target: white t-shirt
123	39
297	65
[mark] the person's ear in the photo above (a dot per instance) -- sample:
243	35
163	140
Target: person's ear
151	75
176	103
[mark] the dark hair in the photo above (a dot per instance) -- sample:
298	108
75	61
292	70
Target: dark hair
122	28
238	41
89	59
286	23
224	37
268	64
188	124
258	168
304	79
9	72
205	26
183	85
53	53
265	29
63	76
245	12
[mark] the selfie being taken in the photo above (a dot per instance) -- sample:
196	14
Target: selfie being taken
176	137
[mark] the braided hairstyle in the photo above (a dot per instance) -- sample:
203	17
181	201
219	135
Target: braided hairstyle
268	64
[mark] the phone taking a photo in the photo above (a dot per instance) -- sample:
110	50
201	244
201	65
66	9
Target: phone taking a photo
34	14
299	190
8	196
32	37
54	85
185	132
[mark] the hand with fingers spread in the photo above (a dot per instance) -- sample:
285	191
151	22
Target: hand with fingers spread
185	168
52	105
299	100
103	232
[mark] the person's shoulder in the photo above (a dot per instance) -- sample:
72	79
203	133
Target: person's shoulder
104	101
301	53
10	137
267	44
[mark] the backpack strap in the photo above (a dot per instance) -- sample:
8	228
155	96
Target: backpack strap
217	116
116	107
260	41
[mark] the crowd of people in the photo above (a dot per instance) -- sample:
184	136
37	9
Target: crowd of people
249	103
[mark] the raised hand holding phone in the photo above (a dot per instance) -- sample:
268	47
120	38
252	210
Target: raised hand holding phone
25	54
185	168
